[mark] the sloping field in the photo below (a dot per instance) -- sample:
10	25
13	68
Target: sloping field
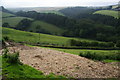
60	63
13	21
29	37
4	14
47	27
107	12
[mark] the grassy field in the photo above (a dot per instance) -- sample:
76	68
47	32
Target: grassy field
29	37
13	21
107	12
78	51
47	27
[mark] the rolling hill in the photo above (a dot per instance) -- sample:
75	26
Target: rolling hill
52	29
54	10
38	9
13	20
29	37
107	12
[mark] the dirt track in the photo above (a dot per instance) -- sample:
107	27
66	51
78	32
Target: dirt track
60	63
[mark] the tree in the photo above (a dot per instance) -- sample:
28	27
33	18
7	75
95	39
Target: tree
100	36
71	42
5	25
118	44
24	24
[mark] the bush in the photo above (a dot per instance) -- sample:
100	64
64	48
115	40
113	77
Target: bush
6	38
2	44
99	57
12	58
5	52
71	42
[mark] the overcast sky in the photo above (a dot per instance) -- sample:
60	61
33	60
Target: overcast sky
56	3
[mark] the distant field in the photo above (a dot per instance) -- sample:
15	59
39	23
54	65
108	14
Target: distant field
107	12
29	37
13	21
48	27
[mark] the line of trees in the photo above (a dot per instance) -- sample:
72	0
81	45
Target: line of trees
73	42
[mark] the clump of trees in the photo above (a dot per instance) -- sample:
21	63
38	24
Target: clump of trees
24	24
5	25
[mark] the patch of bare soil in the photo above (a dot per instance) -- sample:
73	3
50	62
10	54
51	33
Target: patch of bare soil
60	63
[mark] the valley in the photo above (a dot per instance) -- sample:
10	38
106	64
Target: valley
60	42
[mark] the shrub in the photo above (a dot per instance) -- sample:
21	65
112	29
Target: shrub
2	44
95	56
71	42
5	53
6	38
12	58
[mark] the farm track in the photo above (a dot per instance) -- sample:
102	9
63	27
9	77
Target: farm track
60	63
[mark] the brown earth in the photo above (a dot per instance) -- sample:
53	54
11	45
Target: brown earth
60	63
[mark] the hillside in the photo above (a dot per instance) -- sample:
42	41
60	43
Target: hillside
74	11
29	37
107	12
54	10
13	20
38	9
59	42
52	29
5	15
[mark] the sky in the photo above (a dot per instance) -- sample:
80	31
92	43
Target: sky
55	3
